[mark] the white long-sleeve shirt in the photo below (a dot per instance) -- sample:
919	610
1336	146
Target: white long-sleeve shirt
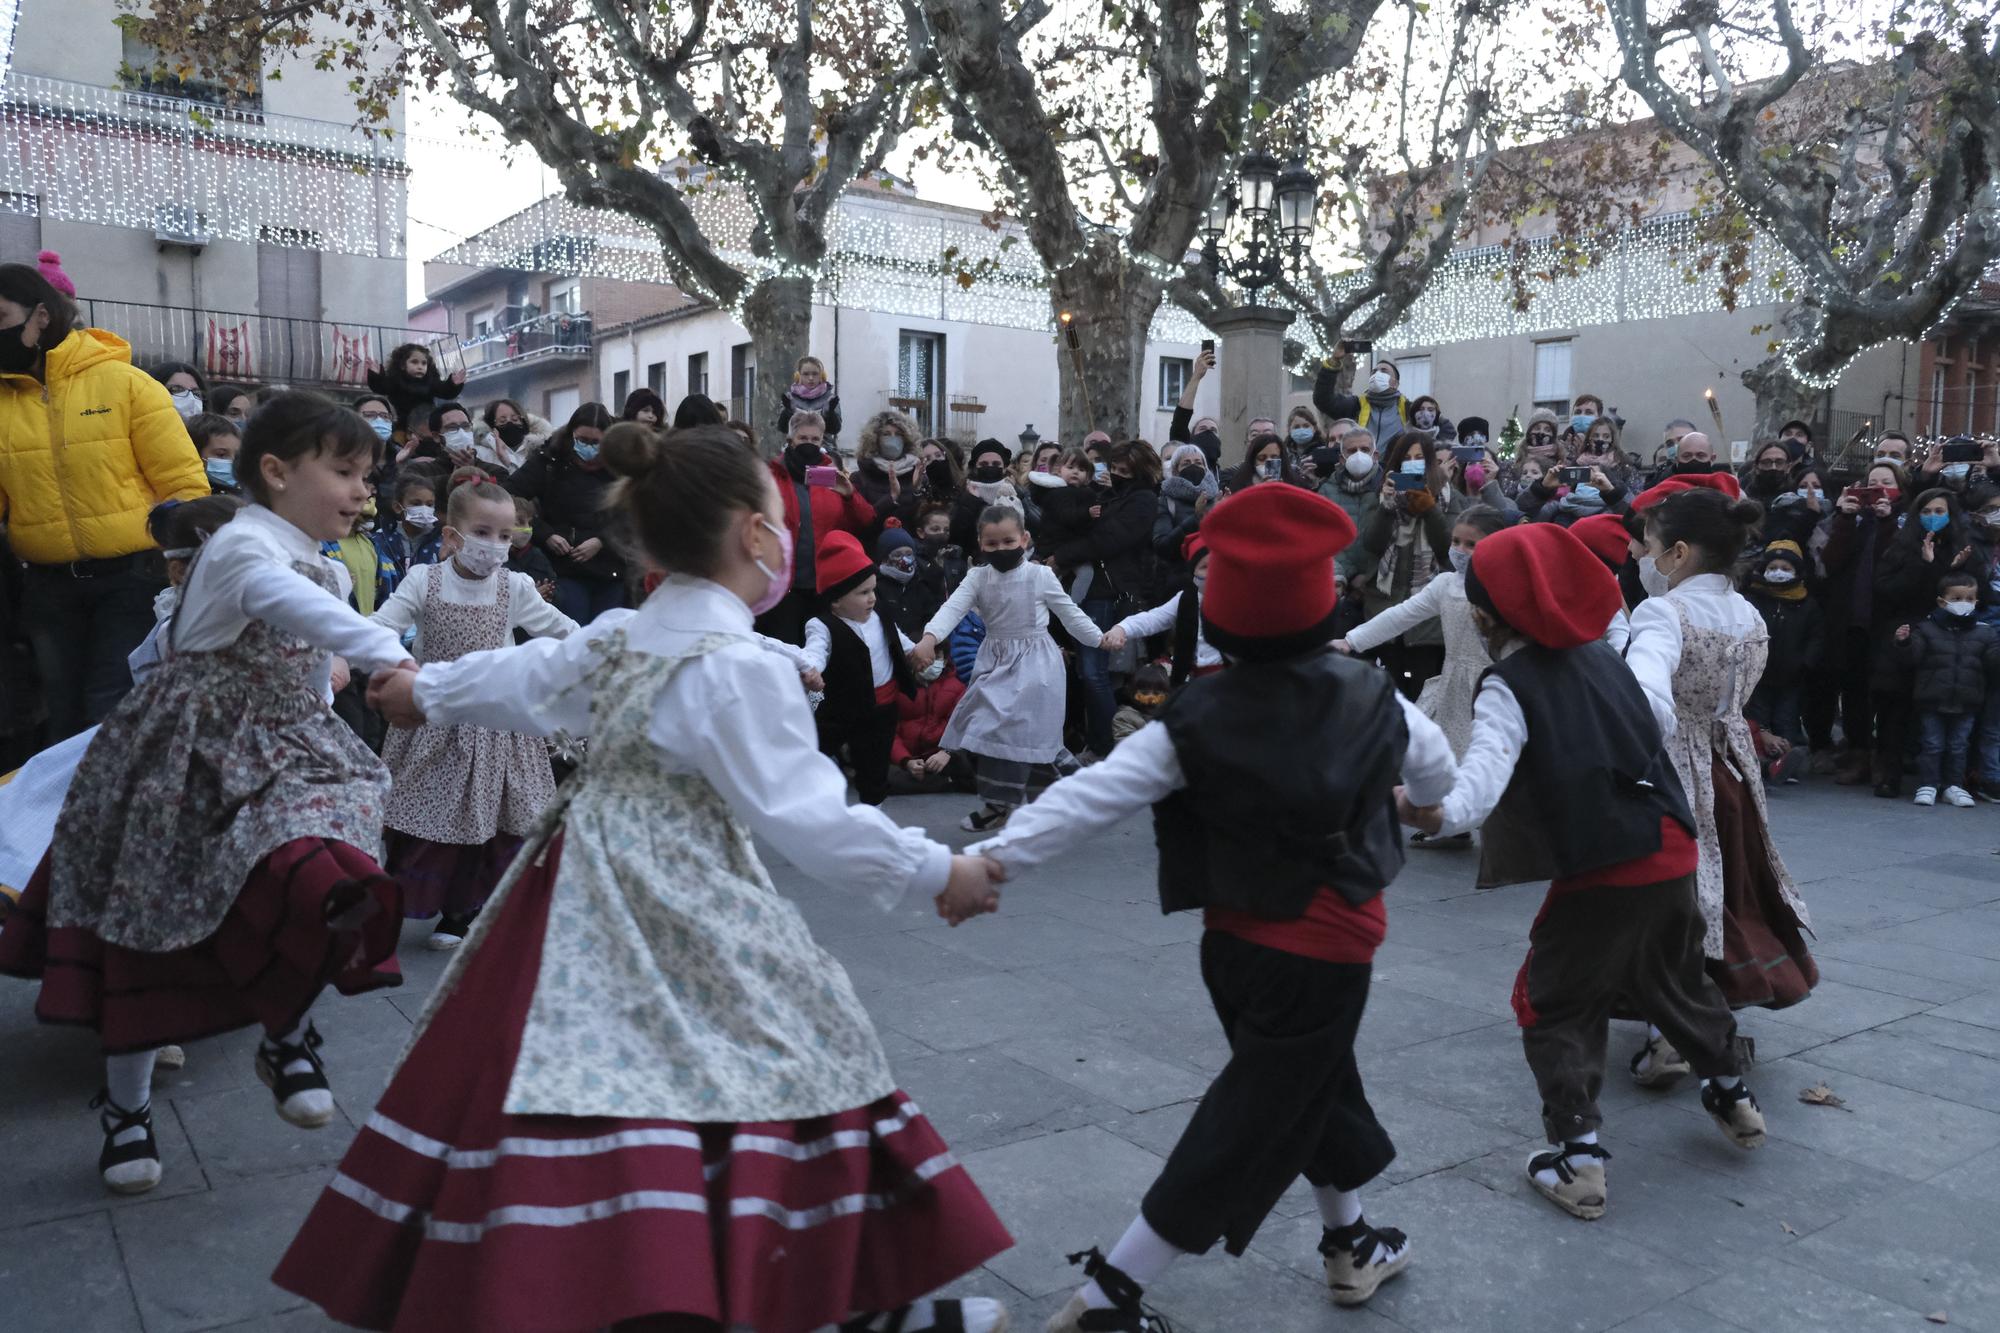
527	609
1499	735
819	646
1427	603
982	589
1144	770
1619	633
735	715
1161	618
244	573
1654	653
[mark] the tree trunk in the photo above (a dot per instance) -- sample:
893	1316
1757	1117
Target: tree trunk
1781	396
1102	374
778	315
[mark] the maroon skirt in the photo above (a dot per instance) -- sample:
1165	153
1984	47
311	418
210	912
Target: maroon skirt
1765	962
448	1213
447	876
265	964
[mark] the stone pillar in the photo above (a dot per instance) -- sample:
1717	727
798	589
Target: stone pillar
1250	356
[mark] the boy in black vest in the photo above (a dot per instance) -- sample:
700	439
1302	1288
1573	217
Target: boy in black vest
1272	784
1560	723
859	656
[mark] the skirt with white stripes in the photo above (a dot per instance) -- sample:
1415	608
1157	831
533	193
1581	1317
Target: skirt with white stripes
448	1213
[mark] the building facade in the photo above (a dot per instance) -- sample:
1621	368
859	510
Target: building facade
257	235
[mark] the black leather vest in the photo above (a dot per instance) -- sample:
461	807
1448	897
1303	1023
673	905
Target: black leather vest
850	681
1291	769
1593	781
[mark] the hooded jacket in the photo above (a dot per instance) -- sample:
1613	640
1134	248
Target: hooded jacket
84	460
1953	659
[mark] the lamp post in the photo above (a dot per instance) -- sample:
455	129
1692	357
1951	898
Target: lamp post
1275	203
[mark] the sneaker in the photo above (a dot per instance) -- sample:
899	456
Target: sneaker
1126	1315
450	930
977	1314
1735	1111
1437	842
133	1166
985	819
303	1096
1959	797
1989	790
1361	1258
1926	796
1571	1177
169	1057
1658	1065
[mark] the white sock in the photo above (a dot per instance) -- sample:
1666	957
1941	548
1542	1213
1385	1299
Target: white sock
1588	1136
295	1037
1142	1254
128	1080
1652	1033
1337	1208
1724	1081
1547	1175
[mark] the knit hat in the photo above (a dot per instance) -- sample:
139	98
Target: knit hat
1715	481
1270	590
1470	426
988	447
1783	550
894	537
1542	581
1541	416
841	565
1606	536
50	263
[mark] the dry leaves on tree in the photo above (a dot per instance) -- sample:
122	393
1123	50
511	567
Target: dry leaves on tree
1821	1095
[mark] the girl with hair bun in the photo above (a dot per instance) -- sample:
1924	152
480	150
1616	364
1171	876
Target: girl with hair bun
1698	648
639	1039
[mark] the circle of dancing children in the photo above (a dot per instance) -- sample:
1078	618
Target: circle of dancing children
214	863
1011	717
1272	784
1559	722
1698	648
641	1089
464	796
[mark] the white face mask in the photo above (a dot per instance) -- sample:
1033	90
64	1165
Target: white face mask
1359	464
1379	382
187	402
1961	608
458	440
1461	559
1779	576
1651	579
479	556
421	517
890	446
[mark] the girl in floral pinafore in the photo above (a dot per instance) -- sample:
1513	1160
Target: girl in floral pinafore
464	796
1698	649
214	864
641	1088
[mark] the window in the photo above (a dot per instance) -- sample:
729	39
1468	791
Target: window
656	377
1413	373
1937	400
147	70
742	383
698	373
559	404
564	296
621	389
479	323
920	379
1174	372
287	275
20	228
1551	376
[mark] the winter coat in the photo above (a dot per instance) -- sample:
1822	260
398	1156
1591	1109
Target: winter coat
1798	637
570	503
1360	500
406	395
871	481
1065	530
831	511
1173	521
910	606
920	722
1905	593
84	462
1854	546
1953	658
827	405
1119	544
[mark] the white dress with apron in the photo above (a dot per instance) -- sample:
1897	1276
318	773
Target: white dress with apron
1013	707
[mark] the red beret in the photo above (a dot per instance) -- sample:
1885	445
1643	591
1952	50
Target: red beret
1270	589
1193	547
1715	481
1545	583
1606	537
840	565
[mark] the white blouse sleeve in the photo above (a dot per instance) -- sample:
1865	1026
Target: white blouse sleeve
1428	766
753	739
281	596
955	606
1156	620
1499	734
533	612
1405	615
1080	626
405	604
819	645
1620	632
1654	654
539	688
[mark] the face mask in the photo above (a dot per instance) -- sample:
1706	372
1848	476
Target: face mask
382	426
459	439
901	566
1461	560
1651	579
16	357
1957	471
1270	469
1359	464
1302	435
1934	522
1692	467
1427	418
1779	575
1888	460
1989	517
1413	467
779	580
585	451
1200	582
1475	475
1960	608
890	447
938	473
1192	474
1379	382
421	517
1005	561
519	538
1587	492
989	472
1581	424
1766	484
1475	440
479	557
511	433
187	402
221	471
1208	442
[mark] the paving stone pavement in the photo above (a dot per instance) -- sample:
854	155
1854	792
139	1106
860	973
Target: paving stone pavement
1061	1046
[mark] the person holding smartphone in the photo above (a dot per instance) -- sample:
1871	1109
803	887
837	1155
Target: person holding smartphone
1857	534
820	500
1410	538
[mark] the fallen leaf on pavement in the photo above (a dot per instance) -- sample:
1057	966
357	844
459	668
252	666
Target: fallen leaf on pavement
1788	1228
1821	1095
1938	1317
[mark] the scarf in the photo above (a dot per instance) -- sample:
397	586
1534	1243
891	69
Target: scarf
1794	591
1580	506
804	395
996	493
1408	552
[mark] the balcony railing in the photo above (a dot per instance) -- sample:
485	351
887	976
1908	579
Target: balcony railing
232	347
550	337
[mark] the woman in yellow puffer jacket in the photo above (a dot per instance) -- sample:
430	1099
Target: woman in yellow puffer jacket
89	444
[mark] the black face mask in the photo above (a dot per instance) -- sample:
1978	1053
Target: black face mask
931	545
989	472
16	357
1209	443
1005	560
1191	474
1764	485
799	457
1692	469
512	433
938	473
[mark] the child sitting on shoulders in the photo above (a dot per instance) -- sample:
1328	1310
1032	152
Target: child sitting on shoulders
811	391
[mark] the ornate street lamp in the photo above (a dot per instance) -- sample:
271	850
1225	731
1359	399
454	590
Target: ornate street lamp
1278	202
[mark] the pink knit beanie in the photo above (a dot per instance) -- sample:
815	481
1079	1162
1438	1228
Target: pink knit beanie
51	265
